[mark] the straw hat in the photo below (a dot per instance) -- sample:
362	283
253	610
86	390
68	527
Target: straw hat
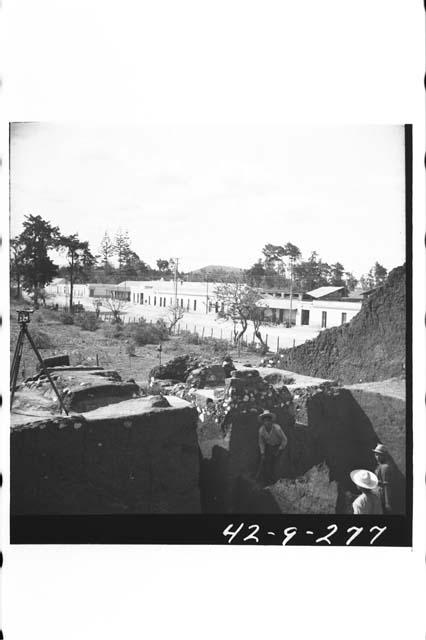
380	448
267	414
365	479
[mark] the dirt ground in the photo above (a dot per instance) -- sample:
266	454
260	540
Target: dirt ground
90	347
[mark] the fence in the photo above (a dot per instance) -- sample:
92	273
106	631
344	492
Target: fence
275	338
274	342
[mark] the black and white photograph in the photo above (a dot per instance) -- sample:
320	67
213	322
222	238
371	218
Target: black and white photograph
212	259
206	320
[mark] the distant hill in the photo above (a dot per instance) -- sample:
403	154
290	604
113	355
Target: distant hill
216	268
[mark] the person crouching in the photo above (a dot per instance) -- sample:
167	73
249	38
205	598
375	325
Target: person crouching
272	441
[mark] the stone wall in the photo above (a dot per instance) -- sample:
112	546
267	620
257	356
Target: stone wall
130	457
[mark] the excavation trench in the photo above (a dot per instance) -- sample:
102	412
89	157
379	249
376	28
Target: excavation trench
119	452
331	430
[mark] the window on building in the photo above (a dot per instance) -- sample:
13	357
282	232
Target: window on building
164	302
195	305
149	299
141	298
323	319
181	303
344	318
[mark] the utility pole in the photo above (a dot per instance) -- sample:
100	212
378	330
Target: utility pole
291	289
207	293
176	261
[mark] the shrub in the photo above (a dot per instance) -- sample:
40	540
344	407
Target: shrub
143	333
113	330
190	338
38	317
66	318
217	345
87	320
163	329
41	339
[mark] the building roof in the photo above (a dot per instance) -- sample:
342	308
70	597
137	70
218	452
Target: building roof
59	281
277	303
323	291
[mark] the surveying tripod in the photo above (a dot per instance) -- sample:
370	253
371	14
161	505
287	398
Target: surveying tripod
24	317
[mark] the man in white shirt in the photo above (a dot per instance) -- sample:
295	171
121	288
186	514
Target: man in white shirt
272	441
368	502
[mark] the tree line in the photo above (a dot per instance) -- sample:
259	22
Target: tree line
282	266
32	266
279	266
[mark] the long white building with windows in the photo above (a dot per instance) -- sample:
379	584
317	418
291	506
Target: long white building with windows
321	308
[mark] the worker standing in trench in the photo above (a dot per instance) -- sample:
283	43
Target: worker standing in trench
385	476
272	441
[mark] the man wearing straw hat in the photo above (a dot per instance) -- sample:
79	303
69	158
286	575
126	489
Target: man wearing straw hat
272	441
385	476
368	502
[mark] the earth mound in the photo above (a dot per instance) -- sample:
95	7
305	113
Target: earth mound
371	347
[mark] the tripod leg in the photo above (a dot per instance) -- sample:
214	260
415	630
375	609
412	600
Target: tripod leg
15	365
15	354
45	371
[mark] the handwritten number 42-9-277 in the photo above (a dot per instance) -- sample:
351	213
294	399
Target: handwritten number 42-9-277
291	532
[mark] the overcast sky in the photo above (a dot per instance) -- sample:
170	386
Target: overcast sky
217	195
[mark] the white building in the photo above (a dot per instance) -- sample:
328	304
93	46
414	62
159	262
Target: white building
320	308
323	307
191	296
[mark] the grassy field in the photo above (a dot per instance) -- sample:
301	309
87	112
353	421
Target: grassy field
90	347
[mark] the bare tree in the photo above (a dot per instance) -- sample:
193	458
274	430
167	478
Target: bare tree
116	306
257	318
175	313
239	303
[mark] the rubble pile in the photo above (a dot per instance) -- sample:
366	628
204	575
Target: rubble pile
247	393
301	396
177	369
211	375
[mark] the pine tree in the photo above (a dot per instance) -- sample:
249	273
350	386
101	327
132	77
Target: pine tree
80	260
106	249
122	248
37	239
